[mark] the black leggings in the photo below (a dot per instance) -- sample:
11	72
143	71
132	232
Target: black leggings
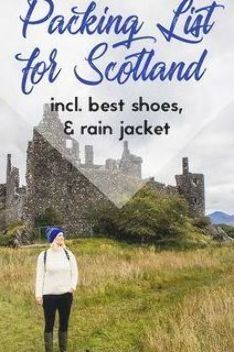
61	302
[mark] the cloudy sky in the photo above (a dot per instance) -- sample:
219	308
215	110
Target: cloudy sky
203	132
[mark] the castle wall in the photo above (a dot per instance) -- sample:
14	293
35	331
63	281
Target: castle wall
53	182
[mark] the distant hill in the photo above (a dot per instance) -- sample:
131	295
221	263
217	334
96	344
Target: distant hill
218	217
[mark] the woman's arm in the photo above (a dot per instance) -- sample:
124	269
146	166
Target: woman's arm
74	271
39	277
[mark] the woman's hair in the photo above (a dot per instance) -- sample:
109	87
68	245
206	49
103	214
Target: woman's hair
63	245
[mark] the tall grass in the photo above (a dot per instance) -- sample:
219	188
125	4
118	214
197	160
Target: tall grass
130	298
201	322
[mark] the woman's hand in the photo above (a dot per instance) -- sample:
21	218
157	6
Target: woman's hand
39	300
72	290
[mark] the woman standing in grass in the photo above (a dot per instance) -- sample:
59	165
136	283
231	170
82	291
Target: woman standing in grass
56	280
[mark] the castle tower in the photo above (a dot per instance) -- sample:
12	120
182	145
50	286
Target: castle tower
185	165
192	187
13	200
55	188
51	129
8	167
126	149
130	164
12	179
89	155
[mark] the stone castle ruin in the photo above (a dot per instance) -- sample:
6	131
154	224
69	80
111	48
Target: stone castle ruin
58	180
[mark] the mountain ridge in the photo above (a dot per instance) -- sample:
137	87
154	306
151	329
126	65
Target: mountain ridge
219	217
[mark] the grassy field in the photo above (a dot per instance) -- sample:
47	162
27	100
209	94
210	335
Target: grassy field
130	299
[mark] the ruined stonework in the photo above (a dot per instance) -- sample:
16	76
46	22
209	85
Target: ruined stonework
2	207
14	193
11	197
57	179
130	164
192	187
53	182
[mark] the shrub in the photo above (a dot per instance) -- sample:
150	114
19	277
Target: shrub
6	240
147	217
201	222
50	217
228	229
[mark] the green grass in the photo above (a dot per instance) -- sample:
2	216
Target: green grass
130	299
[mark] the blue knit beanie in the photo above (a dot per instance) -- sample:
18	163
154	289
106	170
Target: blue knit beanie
52	232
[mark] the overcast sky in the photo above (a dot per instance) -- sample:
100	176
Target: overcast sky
204	132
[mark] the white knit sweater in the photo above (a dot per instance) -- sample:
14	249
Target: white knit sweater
59	275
